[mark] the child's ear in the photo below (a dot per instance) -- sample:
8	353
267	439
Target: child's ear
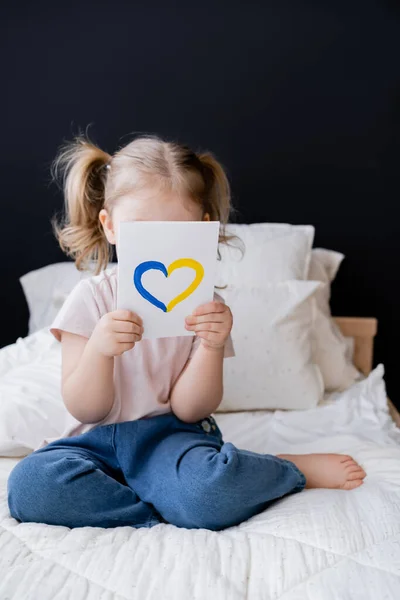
107	224
206	217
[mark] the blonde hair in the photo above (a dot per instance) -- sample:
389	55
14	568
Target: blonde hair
92	179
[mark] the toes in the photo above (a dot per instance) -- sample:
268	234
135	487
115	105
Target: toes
352	464
354	469
351	485
355	475
345	458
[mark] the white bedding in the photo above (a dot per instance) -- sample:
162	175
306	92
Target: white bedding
315	545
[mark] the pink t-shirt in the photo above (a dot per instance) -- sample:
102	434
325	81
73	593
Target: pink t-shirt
143	376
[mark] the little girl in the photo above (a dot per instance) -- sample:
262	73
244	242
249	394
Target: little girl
142	448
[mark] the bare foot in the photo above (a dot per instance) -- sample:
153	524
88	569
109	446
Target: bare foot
335	471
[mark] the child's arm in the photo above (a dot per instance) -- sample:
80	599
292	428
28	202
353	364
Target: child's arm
198	390
88	364
87	382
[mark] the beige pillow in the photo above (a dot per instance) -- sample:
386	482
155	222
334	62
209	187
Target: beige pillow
332	352
272	335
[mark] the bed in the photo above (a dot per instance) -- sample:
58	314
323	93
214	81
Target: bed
316	545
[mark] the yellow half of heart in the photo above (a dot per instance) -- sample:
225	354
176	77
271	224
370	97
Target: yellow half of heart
192	264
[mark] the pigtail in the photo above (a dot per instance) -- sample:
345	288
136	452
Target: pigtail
80	165
217	195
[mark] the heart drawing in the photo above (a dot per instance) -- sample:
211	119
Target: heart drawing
177	264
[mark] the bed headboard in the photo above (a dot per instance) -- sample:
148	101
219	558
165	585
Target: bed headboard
363	330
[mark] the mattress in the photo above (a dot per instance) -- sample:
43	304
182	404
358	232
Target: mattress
315	545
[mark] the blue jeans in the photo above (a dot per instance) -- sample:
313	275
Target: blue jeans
145	472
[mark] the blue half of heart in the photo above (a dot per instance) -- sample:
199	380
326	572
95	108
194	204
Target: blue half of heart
137	279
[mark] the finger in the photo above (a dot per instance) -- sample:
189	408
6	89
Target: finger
128	338
210	307
210	317
126	315
210	336
123	347
127	327
214	327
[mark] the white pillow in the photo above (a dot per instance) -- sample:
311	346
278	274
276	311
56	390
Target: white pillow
47	288
331	350
31	406
272	252
272	336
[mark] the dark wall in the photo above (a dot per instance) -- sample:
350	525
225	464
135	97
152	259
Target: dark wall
299	100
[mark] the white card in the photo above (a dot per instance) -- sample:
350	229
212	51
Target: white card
165	270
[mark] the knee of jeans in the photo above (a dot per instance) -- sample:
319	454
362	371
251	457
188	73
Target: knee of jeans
205	493
206	507
33	489
20	491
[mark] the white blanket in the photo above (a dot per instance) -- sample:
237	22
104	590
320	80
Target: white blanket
315	545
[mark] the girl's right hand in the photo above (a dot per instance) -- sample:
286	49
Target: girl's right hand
117	332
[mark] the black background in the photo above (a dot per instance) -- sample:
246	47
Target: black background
300	101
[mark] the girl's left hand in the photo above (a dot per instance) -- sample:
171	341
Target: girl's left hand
212	322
